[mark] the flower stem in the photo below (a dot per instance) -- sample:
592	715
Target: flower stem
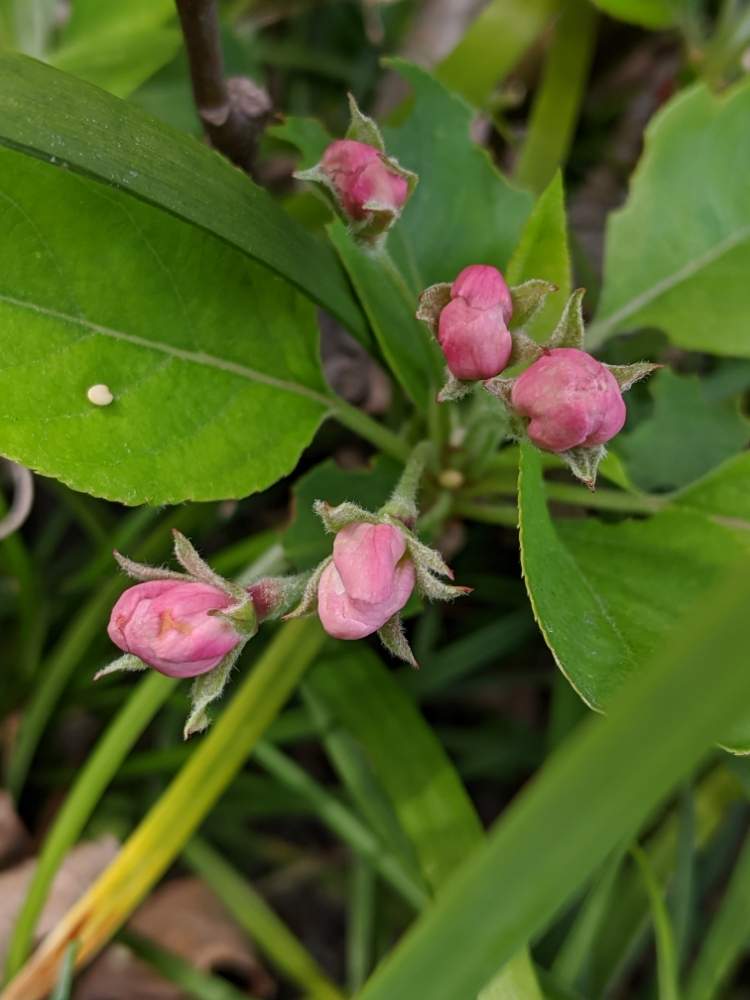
377	434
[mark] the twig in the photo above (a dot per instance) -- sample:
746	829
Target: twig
233	111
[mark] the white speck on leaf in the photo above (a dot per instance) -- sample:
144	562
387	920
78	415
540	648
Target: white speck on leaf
99	395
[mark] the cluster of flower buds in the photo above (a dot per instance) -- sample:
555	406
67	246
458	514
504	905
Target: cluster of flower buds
192	623
565	401
376	564
368	187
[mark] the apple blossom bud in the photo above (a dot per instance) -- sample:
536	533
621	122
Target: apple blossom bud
369	580
570	399
362	179
472	327
168	625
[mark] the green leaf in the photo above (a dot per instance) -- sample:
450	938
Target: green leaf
648	13
117	46
494	43
726	941
305	541
594	793
607	595
677	251
542	252
212	361
408	347
58	118
409	762
463	210
685	436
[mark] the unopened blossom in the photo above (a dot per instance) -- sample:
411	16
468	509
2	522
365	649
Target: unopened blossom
168	625
570	399
369	579
362	179
473	327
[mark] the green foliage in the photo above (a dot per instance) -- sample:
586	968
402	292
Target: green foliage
677	251
593	793
211	360
305	541
117	46
686	435
493	45
608	596
463	210
55	117
542	252
649	13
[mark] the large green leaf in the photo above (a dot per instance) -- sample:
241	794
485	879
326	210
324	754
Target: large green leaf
212	360
592	796
685	436
678	252
463	210
58	118
606	596
409	762
542	252
305	541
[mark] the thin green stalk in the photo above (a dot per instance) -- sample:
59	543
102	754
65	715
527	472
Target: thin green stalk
602	499
359	937
142	705
342	821
161	836
377	434
485	513
172	967
64	984
265	928
558	98
666	958
726	941
573	959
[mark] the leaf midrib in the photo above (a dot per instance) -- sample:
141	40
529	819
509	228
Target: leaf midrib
602	328
201	358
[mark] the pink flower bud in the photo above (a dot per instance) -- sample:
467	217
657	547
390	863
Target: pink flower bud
570	399
472	328
362	178
369	580
166	624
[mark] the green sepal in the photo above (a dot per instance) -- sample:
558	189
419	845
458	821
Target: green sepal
570	331
628	375
584	463
336	518
362	128
188	557
139	571
392	636
431	303
309	601
206	689
127	662
454	388
528	298
241	617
